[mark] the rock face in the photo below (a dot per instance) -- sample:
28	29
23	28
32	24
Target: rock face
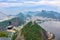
44	34
51	36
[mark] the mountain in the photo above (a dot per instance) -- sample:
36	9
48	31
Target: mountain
47	14
18	20
44	13
32	31
20	17
31	13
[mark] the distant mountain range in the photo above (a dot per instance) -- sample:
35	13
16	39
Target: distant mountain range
20	18
44	13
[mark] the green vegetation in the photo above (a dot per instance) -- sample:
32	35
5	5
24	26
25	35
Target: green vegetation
3	34
32	32
14	36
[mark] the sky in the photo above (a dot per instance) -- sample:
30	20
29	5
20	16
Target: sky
13	7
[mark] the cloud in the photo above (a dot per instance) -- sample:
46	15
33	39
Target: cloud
10	4
52	3
11	0
31	3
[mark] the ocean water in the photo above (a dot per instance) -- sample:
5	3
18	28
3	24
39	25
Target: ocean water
52	26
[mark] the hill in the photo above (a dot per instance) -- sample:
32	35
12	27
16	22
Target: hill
18	20
32	32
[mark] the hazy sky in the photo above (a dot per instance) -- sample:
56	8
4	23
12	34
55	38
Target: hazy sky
16	6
